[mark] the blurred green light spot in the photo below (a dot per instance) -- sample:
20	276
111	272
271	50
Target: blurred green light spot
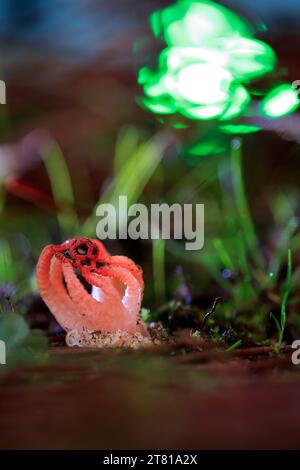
154	89
155	23
210	59
159	107
239	128
239	102
203	112
179	125
280	101
203	83
262	26
190	23
173	58
247	58
208	147
144	75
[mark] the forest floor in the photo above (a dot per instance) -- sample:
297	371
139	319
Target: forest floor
161	398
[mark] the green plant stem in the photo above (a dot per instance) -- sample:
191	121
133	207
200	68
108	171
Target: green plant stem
235	345
2	198
132	176
159	283
285	295
62	189
241	202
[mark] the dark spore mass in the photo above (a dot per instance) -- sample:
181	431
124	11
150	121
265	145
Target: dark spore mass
82	249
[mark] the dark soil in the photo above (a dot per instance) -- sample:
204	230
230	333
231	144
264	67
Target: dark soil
163	399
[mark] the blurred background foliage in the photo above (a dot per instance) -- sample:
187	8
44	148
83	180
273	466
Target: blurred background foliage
73	135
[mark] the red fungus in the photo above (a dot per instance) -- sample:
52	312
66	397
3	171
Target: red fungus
116	287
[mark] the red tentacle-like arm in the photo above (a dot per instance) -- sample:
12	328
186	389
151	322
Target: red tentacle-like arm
85	288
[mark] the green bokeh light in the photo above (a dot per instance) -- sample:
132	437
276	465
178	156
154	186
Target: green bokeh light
203	112
190	23
239	102
159	107
203	83
209	146
246	58
239	129
280	101
210	60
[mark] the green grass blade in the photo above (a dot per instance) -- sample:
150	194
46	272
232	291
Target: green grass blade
61	186
159	282
242	204
278	326
223	254
285	295
132	177
2	197
235	345
127	143
7	271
